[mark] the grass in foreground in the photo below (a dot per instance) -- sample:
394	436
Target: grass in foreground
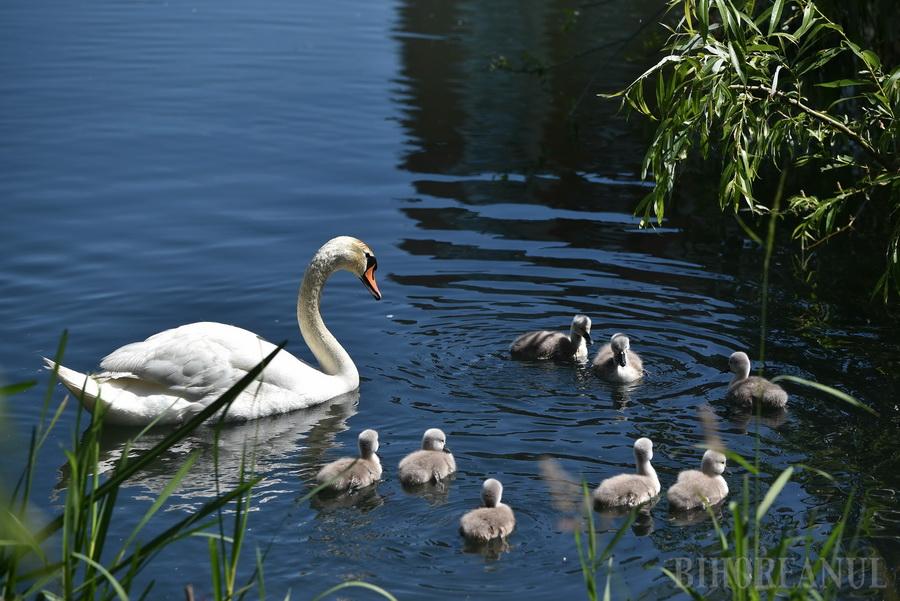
69	556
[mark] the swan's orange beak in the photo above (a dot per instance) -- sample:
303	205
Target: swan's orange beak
368	278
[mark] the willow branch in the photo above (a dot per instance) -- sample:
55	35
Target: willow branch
822	117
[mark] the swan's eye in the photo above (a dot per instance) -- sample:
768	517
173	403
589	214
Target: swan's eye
371	262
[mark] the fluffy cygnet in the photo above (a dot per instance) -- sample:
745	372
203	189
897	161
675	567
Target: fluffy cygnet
555	345
616	361
350	473
494	520
745	390
630	490
432	463
696	488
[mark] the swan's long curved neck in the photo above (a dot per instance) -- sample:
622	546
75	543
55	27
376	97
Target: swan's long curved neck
332	357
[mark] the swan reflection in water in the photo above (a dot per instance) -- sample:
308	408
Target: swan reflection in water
270	447
435	493
490	550
642	525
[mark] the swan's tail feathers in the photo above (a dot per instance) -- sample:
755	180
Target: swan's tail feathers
84	387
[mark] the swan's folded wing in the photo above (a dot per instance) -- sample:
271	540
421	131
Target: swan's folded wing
192	365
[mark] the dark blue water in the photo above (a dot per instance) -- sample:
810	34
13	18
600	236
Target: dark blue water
166	162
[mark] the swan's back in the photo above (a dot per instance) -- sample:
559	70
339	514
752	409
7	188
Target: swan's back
755	389
424	466
626	490
543	344
174	374
694	488
487	523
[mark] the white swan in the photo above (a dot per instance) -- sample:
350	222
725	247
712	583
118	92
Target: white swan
173	375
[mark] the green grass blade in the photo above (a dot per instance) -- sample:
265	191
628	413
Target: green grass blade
181	529
173	438
163	496
682	586
112	580
828	390
215	568
16	388
607	594
355	584
773	493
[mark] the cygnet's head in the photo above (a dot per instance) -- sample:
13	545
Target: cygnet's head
739	364
643	450
354	256
435	440
368	443
713	463
581	324
491	492
620	345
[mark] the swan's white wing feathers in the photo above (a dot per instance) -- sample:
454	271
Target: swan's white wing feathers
197	361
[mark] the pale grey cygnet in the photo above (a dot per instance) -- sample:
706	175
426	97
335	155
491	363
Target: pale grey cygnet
616	361
546	344
696	489
630	490
746	390
494	520
351	473
432	463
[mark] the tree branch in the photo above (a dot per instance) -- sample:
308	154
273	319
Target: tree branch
822	117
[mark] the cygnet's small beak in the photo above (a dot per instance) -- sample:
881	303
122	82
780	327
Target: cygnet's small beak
587	338
446	449
620	358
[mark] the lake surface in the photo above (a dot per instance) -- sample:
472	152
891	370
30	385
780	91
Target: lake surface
169	162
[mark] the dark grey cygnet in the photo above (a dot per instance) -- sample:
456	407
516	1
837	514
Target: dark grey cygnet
546	344
746	390
351	473
494	520
616	361
694	489
630	490
432	463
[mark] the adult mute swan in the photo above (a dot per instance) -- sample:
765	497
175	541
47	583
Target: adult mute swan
174	374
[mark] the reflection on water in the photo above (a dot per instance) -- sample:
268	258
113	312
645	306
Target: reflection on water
270	447
435	493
